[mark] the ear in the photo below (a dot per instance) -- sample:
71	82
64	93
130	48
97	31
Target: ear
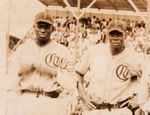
107	37
52	28
33	25
125	35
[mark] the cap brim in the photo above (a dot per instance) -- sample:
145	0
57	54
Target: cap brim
44	21
116	29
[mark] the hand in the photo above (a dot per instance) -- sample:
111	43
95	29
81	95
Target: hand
131	104
88	103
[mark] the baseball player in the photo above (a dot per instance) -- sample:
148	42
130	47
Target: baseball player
144	90
108	75
40	76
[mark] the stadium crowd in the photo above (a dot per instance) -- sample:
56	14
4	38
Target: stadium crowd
93	30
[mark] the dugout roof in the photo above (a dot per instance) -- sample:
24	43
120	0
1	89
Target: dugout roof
102	4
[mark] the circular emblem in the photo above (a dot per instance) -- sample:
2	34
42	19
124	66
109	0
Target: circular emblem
122	72
52	60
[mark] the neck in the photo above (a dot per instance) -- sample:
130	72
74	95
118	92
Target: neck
42	43
116	51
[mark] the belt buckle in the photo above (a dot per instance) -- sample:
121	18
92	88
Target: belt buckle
115	106
38	93
109	106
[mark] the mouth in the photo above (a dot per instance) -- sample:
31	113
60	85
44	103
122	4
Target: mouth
42	38
115	43
42	35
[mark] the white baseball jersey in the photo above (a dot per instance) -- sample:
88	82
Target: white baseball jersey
110	78
35	68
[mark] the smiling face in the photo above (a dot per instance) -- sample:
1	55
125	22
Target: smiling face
116	39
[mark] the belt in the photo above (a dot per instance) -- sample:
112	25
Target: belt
110	106
107	106
51	94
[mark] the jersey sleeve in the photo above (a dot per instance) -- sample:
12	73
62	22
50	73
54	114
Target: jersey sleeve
140	61
83	63
14	67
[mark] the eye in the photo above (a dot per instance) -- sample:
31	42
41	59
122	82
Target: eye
43	26
39	26
47	27
120	34
116	34
112	34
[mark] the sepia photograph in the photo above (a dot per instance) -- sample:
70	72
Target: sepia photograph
75	57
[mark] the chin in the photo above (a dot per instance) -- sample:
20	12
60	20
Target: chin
42	39
116	46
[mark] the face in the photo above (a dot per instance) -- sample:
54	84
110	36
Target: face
116	39
43	31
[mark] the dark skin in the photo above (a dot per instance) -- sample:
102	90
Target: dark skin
43	31
116	40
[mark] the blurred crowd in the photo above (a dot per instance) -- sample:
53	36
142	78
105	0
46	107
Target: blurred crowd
93	30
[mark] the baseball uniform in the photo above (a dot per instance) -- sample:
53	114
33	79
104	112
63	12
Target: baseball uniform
111	79
33	72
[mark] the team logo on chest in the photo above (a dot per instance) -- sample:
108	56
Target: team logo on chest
55	61
123	72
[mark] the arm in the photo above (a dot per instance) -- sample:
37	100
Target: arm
143	94
80	70
85	98
14	69
80	85
144	87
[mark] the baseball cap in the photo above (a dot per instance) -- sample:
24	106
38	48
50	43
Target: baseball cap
116	25
43	17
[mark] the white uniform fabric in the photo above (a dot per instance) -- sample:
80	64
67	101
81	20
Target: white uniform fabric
123	111
109	77
35	68
144	89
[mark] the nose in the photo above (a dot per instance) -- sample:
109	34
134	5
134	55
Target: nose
42	30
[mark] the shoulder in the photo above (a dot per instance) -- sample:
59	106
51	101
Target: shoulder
24	48
27	44
133	57
59	47
132	53
62	50
95	51
99	48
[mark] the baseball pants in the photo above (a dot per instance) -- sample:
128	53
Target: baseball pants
29	104
121	111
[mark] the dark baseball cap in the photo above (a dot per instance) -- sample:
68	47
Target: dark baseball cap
116	25
43	17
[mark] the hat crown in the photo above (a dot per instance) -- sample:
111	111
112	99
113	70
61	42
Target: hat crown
116	25
43	17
